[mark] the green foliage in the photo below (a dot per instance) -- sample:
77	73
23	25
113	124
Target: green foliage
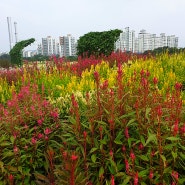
97	43
162	50
16	51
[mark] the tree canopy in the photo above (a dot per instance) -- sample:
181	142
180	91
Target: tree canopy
97	43
16	51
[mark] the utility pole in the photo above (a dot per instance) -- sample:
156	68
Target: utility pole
15	26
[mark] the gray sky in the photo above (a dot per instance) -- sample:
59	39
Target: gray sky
42	18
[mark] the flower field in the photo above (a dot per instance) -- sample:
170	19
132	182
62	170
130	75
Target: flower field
113	120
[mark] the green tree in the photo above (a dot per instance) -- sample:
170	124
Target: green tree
16	51
97	43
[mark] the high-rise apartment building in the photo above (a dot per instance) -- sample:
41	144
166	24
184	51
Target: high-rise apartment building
147	41
68	45
49	46
126	41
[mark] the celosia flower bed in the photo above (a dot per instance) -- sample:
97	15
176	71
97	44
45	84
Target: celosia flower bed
120	120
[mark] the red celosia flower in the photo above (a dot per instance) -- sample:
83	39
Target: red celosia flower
155	80
127	165
85	134
74	157
182	130
11	177
147	73
178	86
123	148
151	175
136	179
33	140
142	72
144	82
40	136
126	133
140	147
39	122
15	149
159	111
175	128
112	180
96	76
54	114
132	156
111	153
175	175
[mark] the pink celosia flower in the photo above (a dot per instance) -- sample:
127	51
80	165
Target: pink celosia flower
85	134
47	131
136	179
54	114
132	156
11	178
151	174
126	133
175	175
140	147
127	165
123	148
112	180
40	136
16	149
33	140
39	122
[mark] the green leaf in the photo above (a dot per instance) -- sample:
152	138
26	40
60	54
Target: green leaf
143	157
12	139
142	139
163	158
120	174
182	155
169	146
173	138
126	180
174	154
93	150
2	166
118	137
147	113
101	171
128	115
151	138
143	173
93	158
131	121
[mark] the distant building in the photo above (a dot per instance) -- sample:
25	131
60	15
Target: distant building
49	46
145	41
68	45
65	46
29	53
126	41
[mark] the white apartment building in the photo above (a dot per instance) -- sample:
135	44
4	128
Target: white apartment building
147	41
49	46
68	45
126	41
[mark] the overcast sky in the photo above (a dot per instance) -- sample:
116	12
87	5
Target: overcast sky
41	18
